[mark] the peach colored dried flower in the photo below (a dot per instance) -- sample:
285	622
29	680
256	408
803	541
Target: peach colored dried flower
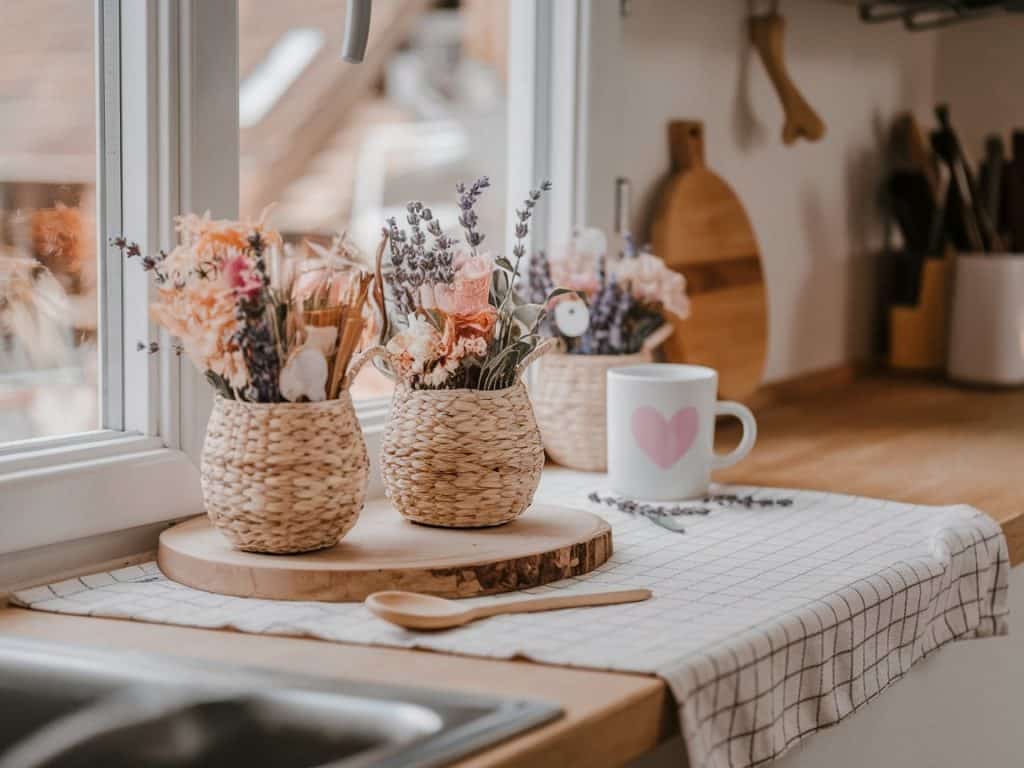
62	240
323	287
648	278
201	313
470	290
464	336
206	273
577	266
458	328
216	239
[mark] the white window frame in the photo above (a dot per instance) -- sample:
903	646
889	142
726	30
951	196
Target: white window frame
169	121
160	152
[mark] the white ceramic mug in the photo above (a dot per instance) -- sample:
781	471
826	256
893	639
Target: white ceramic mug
661	430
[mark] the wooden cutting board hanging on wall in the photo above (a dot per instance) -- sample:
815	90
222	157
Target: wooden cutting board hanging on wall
701	229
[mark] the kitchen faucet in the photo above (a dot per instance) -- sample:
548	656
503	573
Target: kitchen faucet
357	30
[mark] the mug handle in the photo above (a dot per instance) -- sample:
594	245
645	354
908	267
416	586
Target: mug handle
741	412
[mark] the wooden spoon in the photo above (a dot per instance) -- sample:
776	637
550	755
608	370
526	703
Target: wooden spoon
415	611
766	32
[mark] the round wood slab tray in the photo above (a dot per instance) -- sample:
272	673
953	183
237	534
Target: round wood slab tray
385	551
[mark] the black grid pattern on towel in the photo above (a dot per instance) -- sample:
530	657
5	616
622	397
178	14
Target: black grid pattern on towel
768	624
799	688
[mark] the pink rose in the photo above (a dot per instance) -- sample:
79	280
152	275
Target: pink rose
469	293
241	278
472	266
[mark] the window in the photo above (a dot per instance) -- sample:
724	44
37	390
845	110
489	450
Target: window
335	145
49	307
338	146
92	148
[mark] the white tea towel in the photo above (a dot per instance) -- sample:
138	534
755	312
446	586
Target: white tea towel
767	622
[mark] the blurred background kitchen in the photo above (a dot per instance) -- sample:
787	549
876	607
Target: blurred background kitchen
342	146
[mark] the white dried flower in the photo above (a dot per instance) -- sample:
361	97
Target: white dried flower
416	347
322	338
304	376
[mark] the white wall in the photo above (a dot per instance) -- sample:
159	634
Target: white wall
979	72
812	205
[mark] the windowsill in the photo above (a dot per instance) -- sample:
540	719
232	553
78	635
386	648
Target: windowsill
138	484
101	505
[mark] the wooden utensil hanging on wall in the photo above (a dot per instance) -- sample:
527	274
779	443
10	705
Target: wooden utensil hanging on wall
801	121
701	230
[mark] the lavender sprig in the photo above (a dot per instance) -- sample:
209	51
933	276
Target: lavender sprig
606	334
415	262
659	514
399	288
441	255
521	230
654	513
523	215
507	331
539	283
467	202
149	263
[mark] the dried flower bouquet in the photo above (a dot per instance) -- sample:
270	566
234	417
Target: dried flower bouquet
284	465
630	299
456	321
628	296
264	325
461	448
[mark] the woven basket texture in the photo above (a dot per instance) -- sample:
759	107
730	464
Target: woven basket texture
461	458
284	477
569	399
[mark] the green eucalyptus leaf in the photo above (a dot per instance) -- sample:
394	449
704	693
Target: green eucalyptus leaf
528	314
499	282
504	263
563	291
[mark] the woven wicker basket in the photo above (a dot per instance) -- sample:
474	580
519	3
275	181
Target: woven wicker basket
462	458
284	477
569	399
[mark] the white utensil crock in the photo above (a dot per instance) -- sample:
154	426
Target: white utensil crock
661	430
986	344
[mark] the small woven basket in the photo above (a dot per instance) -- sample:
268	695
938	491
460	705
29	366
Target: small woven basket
462	458
284	477
569	399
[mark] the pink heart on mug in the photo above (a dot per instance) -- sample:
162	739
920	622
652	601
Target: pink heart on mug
664	441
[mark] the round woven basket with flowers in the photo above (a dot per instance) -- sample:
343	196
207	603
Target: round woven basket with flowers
569	394
284	477
284	466
461	447
462	458
622	322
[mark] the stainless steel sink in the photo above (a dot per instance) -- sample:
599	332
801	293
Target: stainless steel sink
66	707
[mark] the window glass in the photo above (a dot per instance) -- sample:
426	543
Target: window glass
341	147
48	262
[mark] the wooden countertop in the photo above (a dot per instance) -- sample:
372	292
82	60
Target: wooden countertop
909	440
897	438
